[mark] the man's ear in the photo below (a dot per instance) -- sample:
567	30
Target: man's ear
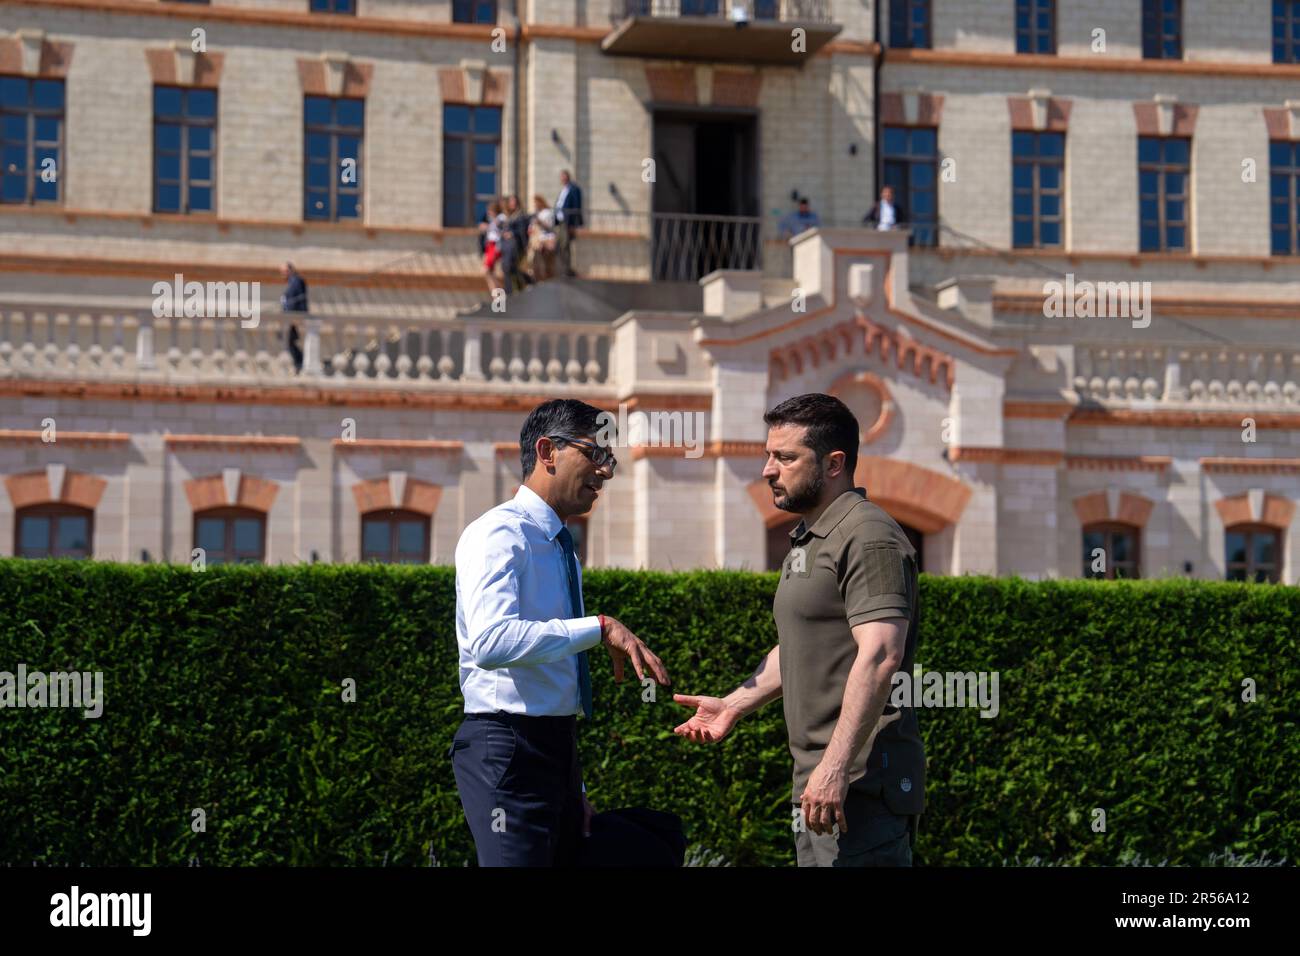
835	464
546	452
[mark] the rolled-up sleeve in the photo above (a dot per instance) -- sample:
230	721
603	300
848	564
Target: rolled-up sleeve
874	582
487	572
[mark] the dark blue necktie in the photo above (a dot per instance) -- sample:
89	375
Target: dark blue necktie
575	599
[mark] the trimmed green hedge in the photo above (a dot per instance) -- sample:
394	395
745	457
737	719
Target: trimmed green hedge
223	692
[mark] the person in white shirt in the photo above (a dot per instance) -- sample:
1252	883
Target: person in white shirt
523	634
884	213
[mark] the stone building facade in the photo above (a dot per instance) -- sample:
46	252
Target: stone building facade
1080	356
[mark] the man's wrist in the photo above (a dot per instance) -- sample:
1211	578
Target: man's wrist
604	626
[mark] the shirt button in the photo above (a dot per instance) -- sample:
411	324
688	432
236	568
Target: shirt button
906	784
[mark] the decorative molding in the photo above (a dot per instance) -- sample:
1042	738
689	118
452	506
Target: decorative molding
1274	511
911	108
1164	117
474	83
231	488
1251	466
1039	113
55	484
335	74
397	490
1131	418
1113	504
1052	63
90	439
29	53
1007	456
1153	463
881	388
672	84
233	443
178	65
1058	411
400	445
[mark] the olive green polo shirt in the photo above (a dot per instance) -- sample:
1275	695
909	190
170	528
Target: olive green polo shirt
853	565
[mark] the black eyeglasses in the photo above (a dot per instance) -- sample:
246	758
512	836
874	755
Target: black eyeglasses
598	456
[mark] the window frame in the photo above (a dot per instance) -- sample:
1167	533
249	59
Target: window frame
1155	29
229	514
905	22
1036	161
1291	173
472	139
55	511
186	123
1250	529
334	131
31	112
1108	529
903	197
1162	168
1287	48
393	517
332	4
457	6
1032	33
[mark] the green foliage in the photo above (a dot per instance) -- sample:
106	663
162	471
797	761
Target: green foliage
223	691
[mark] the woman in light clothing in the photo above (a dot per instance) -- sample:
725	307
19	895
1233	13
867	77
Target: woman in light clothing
542	241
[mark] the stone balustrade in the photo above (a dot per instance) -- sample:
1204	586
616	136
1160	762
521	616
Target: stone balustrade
54	344
1194	375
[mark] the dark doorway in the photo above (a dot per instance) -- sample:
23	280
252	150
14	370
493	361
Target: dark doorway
705	212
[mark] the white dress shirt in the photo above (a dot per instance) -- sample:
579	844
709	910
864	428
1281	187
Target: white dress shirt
518	639
559	203
888	217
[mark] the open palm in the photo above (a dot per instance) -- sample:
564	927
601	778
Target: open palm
713	719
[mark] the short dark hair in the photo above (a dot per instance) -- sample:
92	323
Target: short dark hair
831	426
560	416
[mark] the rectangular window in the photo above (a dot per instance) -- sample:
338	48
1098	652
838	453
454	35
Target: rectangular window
31	139
1164	167
1284	196
1037	188
1162	29
1111	551
184	149
1286	31
1253	553
909	24
333	6
910	164
474	11
471	162
1035	26
334	131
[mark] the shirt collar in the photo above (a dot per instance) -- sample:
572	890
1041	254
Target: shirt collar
832	516
537	509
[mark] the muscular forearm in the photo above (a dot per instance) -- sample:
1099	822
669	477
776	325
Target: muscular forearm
865	695
762	686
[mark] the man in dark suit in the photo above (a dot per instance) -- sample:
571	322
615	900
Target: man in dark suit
293	299
523	636
568	219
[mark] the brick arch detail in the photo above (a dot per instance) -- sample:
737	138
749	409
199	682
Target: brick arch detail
256	494
376	494
913	495
881	388
33	488
1275	511
1128	508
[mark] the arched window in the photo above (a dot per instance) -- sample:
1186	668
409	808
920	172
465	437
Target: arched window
53	531
1253	552
394	536
231	535
1112	550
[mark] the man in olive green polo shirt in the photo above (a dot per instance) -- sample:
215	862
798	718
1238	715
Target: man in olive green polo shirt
846	615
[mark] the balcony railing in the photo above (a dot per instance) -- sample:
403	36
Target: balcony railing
806	11
1195	375
135	347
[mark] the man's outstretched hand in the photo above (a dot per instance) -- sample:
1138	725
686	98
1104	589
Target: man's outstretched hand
713	719
624	646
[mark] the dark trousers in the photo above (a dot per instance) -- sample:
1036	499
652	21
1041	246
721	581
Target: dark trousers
521	788
876	837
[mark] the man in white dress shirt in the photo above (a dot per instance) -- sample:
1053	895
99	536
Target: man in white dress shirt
523	636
